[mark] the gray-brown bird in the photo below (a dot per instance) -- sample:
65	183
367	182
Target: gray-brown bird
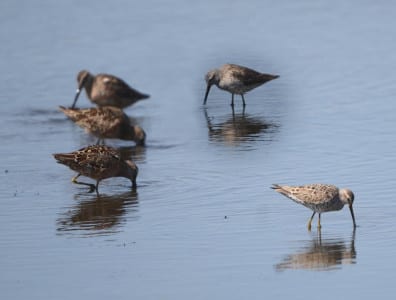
106	123
98	162
236	80
319	197
107	90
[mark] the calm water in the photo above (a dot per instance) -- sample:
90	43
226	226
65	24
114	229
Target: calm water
203	223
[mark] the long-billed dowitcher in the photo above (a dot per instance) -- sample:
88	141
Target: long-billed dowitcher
236	80
107	90
319	198
106	122
98	162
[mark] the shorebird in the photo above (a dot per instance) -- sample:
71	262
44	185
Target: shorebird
107	90
236	80
319	198
98	162
106	123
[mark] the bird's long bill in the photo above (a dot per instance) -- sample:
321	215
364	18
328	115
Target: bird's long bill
353	216
76	97
207	93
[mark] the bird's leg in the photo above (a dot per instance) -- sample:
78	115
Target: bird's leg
232	99
319	226
310	221
74	180
100	141
96	188
243	100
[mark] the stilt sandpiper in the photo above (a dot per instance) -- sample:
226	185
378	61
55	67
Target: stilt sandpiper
107	90
106	122
236	80
319	198
98	162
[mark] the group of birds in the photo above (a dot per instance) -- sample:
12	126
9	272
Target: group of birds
111	94
107	121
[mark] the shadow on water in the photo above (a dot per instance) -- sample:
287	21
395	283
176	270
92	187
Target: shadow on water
98	215
238	128
321	255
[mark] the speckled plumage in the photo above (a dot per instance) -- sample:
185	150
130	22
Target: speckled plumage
319	198
98	162
107	90
106	123
236	80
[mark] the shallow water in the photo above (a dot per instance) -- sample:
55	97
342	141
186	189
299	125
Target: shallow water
203	223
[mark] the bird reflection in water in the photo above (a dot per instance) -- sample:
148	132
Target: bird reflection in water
321	255
98	215
239	128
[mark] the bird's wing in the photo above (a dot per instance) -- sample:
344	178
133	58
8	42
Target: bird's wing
308	193
118	86
100	158
251	77
101	120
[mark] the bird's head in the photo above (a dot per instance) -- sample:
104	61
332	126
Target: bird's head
83	77
131	171
347	197
211	78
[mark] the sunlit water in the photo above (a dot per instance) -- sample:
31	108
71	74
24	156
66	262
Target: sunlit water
203	223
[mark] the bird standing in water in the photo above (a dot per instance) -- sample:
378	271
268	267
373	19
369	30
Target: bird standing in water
236	80
98	162
107	90
319	198
106	122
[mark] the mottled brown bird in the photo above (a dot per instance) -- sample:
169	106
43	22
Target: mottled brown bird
106	123
98	162
236	80
319	198
107	90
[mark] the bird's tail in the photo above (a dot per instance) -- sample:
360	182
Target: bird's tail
278	188
72	113
144	96
64	158
269	77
